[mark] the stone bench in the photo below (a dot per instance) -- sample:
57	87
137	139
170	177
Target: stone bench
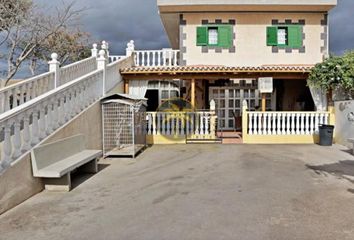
351	140
55	161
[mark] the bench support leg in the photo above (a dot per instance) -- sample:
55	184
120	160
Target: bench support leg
58	184
90	167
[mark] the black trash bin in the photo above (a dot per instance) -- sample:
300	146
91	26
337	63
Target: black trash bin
326	135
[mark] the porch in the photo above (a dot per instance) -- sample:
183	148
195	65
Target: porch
235	112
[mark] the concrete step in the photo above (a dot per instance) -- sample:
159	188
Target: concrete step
204	141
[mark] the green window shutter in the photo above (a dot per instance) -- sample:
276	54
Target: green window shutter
272	36
225	37
202	36
295	36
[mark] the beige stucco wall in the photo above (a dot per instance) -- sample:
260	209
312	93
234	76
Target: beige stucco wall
17	183
250	42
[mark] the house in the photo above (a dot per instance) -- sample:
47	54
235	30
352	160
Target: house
226	48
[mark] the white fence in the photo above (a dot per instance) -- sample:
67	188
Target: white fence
157	58
19	93
41	116
285	123
180	123
77	69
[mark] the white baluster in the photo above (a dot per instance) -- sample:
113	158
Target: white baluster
42	123
49	120
269	123
312	125
254	121
302	124
158	123
307	124
7	101
197	123
154	131
149	124
288	124
279	124
168	120
183	123
298	123
26	145
275	127
201	124
265	123
163	122
293	131
173	125
6	147
250	124
316	122
17	139
35	130
260	124
283	125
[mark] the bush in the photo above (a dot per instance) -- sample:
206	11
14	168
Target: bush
335	72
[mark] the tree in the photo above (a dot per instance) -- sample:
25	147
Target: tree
71	46
30	36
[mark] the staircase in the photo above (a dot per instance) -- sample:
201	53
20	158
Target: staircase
32	110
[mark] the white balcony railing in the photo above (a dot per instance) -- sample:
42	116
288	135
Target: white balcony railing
114	58
285	123
157	58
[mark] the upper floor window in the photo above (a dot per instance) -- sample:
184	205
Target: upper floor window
285	36
215	35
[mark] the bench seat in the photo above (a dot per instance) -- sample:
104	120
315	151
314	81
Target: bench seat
59	169
54	162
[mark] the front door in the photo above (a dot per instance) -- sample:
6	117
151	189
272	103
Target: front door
229	100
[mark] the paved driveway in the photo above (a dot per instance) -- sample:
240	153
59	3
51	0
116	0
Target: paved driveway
200	192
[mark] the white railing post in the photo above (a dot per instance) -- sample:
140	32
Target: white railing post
102	65
54	66
94	50
130	48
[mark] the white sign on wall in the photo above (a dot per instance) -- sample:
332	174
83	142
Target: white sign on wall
265	85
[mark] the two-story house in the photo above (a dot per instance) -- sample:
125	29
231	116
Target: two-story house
226	46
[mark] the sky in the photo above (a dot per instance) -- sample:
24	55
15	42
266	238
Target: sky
118	21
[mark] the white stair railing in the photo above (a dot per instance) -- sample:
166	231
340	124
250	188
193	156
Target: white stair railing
77	69
19	93
27	125
286	123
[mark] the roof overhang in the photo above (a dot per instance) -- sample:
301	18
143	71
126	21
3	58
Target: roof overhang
215	72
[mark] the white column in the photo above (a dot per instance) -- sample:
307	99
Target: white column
54	66
102	64
17	139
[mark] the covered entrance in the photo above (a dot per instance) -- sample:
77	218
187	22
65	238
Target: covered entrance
228	87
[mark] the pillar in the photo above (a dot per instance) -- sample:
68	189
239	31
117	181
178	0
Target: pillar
193	93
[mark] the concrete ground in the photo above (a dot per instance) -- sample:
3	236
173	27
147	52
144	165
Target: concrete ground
200	192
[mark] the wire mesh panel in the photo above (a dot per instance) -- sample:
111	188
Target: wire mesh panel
123	128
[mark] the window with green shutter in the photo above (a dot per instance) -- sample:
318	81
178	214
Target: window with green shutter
285	36
215	35
202	36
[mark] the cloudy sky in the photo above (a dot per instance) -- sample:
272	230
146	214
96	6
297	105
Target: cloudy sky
118	21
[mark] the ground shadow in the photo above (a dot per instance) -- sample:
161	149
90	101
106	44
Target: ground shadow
343	169
77	177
